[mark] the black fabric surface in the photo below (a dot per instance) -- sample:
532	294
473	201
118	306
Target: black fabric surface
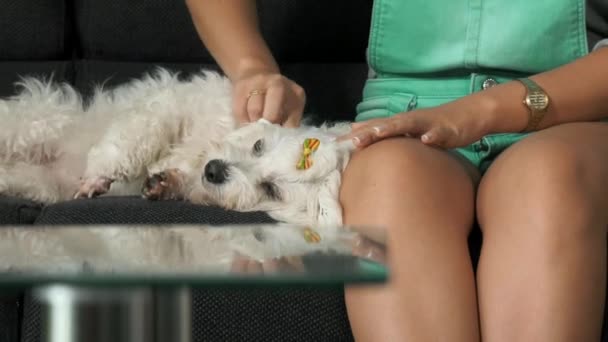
11	72
251	315
162	31
143	31
33	30
270	315
15	211
30	328
135	210
333	90
9	319
89	74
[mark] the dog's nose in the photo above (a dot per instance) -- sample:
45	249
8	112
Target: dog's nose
216	171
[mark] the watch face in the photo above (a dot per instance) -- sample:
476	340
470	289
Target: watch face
537	101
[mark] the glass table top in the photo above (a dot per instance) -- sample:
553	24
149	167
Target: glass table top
192	255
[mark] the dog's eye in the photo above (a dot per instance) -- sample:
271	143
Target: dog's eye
271	190
258	147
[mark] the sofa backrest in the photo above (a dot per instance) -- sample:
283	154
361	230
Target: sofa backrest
34	30
319	44
311	31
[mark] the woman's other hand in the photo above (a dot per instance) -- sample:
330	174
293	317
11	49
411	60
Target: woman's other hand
268	95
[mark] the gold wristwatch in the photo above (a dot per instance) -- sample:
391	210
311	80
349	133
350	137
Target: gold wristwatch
537	102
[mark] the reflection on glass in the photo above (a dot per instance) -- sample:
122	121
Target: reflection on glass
115	251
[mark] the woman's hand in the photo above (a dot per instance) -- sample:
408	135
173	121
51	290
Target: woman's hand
455	124
268	95
230	31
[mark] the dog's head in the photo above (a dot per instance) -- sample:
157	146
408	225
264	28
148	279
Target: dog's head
291	173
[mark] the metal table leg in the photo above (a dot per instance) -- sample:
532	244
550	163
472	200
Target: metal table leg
70	314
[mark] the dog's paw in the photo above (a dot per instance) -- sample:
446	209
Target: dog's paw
164	185
92	187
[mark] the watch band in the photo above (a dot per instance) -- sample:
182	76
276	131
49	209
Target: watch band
536	101
530	85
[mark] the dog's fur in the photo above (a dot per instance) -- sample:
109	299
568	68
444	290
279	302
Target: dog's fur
159	133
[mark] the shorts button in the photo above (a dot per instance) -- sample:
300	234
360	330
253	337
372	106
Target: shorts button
488	83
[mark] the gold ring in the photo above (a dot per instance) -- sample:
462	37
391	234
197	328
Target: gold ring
256	92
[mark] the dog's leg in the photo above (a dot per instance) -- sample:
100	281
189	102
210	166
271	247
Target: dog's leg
171	177
128	148
165	185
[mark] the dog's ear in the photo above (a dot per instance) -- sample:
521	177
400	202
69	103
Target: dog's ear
324	208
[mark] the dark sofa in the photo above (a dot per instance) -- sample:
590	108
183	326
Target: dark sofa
320	44
86	42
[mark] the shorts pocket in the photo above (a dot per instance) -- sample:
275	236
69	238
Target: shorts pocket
385	105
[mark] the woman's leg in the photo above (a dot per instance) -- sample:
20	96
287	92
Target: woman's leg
425	199
543	209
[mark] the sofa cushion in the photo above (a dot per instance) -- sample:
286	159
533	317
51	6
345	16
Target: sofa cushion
137	30
10	306
33	30
162	31
9	318
277	314
17	211
89	74
135	210
597	21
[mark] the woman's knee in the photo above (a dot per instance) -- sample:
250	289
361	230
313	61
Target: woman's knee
553	183
405	176
405	162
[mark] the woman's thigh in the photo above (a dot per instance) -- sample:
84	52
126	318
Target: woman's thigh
543	173
402	179
543	209
424	198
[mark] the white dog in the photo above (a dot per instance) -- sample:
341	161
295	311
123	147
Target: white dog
176	139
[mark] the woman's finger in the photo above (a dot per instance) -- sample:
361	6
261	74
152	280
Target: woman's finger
381	128
255	106
239	105
408	125
293	118
239	264
357	129
365	138
294	115
294	264
270	266
254	267
371	122
436	136
273	105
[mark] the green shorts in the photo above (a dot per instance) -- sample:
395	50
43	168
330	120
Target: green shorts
483	152
388	96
